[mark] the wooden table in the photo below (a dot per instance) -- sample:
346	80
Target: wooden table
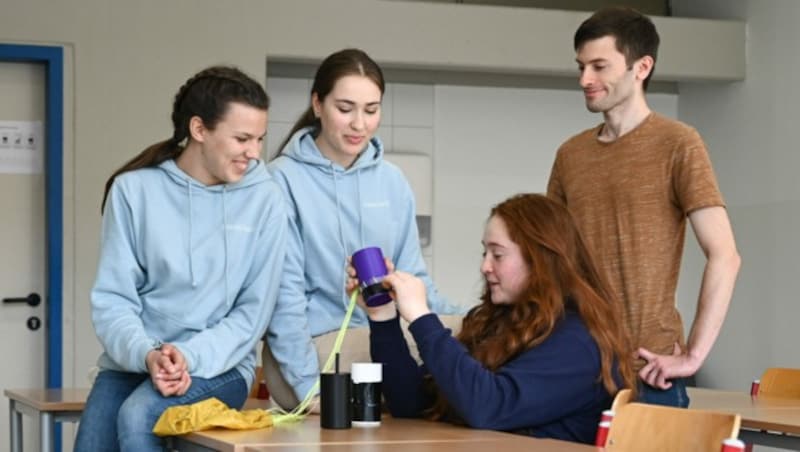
523	444
48	406
391	435
770	421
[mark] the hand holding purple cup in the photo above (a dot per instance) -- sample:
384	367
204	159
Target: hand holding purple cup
371	269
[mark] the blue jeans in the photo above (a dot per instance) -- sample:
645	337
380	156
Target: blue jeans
675	396
123	408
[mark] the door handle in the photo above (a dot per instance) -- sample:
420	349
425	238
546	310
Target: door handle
32	300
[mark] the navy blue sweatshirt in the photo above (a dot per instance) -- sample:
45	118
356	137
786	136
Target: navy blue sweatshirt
552	390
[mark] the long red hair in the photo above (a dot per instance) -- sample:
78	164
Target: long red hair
562	271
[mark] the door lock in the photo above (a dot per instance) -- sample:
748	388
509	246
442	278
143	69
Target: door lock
33	323
32	300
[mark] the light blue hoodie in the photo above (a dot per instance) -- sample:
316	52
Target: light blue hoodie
193	265
334	212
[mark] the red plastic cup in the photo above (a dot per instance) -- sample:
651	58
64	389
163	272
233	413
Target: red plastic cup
607	415
732	445
602	433
263	392
754	387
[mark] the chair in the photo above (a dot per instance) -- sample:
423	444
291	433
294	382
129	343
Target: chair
256	381
780	382
652	428
623	398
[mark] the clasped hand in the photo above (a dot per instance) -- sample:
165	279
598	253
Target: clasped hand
168	370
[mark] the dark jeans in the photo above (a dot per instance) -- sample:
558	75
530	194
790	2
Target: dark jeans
123	407
675	396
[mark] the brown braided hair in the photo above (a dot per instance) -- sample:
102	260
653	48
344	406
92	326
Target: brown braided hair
207	95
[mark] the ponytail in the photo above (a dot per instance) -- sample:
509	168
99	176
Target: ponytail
154	155
306	119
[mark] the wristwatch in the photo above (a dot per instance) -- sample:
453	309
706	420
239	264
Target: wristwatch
157	344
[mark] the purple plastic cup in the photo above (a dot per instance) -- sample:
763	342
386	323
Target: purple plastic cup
371	268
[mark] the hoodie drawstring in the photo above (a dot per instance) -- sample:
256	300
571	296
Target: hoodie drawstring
338	210
341	229
225	242
191	254
360	210
185	180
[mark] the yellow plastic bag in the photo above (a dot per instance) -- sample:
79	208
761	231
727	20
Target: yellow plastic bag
208	414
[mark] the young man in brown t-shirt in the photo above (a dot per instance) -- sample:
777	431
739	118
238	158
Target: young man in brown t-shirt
630	183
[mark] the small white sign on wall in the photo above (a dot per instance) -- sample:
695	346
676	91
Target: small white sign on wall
21	147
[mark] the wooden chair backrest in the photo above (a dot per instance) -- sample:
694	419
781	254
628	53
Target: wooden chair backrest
780	382
651	428
623	397
259	376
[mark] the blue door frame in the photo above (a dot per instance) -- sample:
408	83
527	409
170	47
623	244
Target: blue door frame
53	60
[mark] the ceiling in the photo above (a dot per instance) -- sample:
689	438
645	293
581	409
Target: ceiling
649	7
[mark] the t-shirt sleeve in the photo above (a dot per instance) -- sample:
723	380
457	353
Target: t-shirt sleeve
694	180
555	190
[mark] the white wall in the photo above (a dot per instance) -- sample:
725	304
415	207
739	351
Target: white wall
124	61
751	131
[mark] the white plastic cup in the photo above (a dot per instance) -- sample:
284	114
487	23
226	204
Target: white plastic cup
366	394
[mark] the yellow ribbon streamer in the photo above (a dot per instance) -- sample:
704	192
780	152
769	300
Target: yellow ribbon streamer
301	411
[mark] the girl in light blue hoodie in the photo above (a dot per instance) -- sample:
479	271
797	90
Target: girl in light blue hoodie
342	197
192	248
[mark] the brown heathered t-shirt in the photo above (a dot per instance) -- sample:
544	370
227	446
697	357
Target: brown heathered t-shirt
630	199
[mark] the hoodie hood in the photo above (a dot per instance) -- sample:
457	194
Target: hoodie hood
303	149
339	211
255	174
342	183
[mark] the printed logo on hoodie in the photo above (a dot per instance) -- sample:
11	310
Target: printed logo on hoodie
239	228
376	204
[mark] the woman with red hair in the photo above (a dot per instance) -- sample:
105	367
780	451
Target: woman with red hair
542	355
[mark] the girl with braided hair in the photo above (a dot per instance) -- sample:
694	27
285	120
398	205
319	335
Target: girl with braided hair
542	355
191	254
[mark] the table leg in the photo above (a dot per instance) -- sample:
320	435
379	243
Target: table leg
770	439
15	418
46	426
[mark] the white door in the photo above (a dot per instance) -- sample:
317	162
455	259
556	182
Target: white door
22	248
